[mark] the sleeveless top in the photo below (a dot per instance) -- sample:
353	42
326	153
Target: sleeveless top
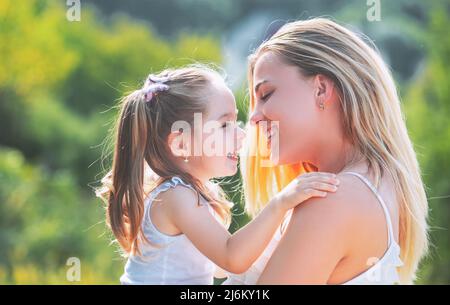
382	272
167	259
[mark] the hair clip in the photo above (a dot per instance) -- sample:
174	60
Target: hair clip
150	90
153	79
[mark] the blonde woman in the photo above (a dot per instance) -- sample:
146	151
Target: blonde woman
338	111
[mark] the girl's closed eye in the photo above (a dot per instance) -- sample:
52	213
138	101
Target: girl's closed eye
228	124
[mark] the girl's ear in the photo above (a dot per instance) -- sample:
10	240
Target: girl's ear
178	142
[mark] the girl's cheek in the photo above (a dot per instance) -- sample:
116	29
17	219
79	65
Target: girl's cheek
217	142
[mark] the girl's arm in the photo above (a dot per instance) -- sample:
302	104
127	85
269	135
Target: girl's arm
220	273
236	253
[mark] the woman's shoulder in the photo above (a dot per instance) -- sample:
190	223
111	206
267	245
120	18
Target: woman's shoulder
347	208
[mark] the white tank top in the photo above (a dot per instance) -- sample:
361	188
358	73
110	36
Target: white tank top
382	272
177	261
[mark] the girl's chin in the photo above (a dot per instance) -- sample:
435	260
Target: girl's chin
232	166
228	168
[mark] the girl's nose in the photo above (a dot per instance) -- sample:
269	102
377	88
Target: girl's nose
240	136
241	132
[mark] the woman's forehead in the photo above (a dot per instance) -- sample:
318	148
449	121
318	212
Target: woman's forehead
267	65
270	69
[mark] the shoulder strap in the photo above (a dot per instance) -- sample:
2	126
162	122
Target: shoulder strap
383	204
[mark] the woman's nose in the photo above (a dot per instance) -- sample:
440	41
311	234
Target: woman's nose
256	116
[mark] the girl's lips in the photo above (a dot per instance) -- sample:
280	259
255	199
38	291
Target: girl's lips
233	156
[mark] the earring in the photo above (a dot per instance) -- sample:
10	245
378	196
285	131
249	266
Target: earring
321	106
186	160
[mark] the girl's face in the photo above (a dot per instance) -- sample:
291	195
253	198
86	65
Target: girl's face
283	95
214	149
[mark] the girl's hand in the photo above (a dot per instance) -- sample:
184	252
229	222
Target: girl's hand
305	186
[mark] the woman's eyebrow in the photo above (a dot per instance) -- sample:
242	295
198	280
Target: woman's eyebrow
259	84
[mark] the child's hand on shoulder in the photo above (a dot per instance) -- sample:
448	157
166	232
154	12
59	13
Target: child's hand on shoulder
305	186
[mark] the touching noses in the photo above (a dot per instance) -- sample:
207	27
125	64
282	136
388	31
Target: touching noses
240	136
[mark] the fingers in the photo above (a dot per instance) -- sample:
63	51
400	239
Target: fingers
316	175
319	177
320	186
315	193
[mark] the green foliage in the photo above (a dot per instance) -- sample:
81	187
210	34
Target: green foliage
427	105
56	86
58	82
44	220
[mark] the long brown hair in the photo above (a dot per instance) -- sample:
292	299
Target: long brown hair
140	146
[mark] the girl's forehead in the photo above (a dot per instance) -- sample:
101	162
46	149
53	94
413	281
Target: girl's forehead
220	101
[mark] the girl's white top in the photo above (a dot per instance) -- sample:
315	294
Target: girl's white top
382	271
176	261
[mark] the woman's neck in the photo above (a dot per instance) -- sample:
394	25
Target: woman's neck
336	161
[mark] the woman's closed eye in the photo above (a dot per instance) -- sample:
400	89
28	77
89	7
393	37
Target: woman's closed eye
266	96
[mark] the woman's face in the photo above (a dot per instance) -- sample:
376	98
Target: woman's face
285	96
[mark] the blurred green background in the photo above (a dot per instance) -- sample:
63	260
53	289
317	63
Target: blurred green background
59	81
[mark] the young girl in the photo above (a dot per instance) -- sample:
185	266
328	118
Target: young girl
172	227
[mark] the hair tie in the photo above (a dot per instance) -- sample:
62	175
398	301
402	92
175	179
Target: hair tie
154	84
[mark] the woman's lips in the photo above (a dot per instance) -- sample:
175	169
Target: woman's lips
269	136
267	133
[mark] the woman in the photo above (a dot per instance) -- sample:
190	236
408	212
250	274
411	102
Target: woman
338	111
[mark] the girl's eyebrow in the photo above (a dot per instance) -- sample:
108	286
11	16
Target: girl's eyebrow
229	114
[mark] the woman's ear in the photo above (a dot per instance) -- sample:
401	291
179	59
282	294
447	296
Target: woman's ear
324	90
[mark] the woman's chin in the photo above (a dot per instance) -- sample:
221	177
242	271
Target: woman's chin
277	160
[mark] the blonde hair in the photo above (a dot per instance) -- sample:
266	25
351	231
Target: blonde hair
141	146
371	116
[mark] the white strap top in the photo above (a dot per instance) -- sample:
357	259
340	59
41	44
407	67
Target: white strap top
383	271
168	259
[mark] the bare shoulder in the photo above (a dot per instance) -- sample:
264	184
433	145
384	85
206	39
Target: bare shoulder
345	226
343	210
180	200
